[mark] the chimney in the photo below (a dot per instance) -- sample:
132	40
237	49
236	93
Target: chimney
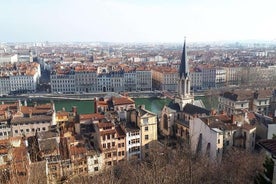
142	106
213	112
274	117
30	113
74	109
19	106
95	105
232	119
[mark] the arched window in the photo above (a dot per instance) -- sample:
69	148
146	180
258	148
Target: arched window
166	125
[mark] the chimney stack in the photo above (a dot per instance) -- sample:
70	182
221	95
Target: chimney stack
74	109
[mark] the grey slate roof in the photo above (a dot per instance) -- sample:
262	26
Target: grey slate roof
184	67
193	109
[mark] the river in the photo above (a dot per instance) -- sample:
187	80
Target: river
84	107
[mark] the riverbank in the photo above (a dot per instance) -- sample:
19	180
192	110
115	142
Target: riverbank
85	102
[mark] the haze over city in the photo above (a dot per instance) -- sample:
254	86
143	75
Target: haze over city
136	21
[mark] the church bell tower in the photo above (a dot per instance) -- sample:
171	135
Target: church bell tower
184	83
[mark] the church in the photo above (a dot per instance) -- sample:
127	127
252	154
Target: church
176	115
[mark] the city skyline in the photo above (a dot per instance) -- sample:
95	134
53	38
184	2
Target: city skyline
131	21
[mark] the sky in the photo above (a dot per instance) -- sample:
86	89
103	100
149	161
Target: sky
136	20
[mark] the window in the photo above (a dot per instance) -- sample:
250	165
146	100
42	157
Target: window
16	131
147	146
104	145
123	144
227	143
108	145
146	137
218	141
123	153
146	128
114	153
145	120
113	144
119	145
96	169
96	162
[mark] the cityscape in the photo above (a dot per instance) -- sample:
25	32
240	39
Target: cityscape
148	101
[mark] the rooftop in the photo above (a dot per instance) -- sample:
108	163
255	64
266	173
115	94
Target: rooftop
269	145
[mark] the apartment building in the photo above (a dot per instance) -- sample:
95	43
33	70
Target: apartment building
220	77
164	78
8	58
130	79
196	78
234	102
143	79
14	160
86	78
20	78
63	81
238	100
147	123
233	75
133	140
29	120
107	141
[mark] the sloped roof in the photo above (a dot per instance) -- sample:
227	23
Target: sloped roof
120	131
269	145
48	146
193	109
47	134
238	95
91	116
174	106
31	119
122	101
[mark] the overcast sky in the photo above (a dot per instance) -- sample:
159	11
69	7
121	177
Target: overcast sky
137	20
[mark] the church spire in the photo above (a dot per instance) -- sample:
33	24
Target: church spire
184	66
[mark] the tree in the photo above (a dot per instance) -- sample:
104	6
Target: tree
267	175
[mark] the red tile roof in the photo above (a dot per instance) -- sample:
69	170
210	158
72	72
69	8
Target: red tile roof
122	101
94	116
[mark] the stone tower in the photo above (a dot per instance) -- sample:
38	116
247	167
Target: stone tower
184	95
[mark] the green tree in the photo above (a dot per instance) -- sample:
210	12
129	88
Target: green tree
267	175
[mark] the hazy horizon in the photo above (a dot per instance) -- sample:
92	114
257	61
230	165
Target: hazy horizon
130	21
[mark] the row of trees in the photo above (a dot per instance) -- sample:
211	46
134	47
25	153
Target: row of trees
180	166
